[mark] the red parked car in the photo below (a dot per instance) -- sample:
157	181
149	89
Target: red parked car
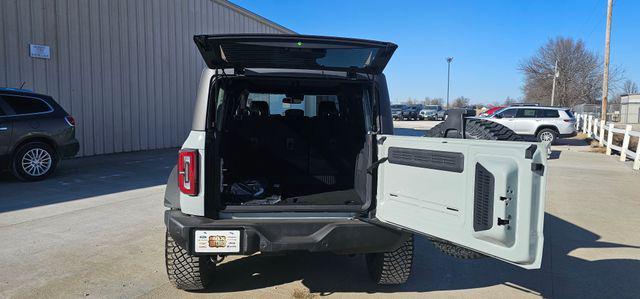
492	111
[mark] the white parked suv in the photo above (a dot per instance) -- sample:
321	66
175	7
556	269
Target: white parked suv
545	123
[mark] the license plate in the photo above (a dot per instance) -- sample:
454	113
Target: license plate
217	241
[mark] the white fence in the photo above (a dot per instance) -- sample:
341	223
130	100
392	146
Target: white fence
596	128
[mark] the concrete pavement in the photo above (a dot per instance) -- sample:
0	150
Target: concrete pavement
95	230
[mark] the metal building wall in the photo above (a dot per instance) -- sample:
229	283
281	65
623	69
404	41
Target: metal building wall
126	70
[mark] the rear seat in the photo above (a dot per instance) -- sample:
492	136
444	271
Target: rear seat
251	135
325	149
291	143
293	150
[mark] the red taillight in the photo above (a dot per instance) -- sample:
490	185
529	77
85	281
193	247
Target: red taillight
70	120
188	171
569	120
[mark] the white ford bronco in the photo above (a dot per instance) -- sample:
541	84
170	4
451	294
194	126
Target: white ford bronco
292	149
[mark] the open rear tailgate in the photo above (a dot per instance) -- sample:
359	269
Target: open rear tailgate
241	51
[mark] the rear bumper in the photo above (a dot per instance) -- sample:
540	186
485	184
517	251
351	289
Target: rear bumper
568	135
70	149
342	236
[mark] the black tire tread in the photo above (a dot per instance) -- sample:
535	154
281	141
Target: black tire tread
456	251
391	268
480	129
185	271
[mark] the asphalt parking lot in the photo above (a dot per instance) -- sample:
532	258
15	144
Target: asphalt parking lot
95	229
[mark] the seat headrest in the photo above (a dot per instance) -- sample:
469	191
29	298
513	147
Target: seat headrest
259	108
294	113
327	109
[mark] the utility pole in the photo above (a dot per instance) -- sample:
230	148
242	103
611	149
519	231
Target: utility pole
449	59
605	81
556	74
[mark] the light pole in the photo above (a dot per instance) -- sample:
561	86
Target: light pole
449	59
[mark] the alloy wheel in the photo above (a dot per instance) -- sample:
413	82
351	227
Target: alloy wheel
36	162
546	136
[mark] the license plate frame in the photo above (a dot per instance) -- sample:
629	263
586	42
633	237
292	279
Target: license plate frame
207	241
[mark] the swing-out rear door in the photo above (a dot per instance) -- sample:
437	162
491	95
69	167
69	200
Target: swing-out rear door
484	195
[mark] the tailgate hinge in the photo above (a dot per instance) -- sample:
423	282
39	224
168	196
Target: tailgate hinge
376	164
454	125
537	168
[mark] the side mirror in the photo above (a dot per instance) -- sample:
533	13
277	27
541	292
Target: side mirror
497	116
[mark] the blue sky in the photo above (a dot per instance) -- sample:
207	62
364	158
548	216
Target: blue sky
488	39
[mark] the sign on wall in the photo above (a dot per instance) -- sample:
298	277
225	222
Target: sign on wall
39	51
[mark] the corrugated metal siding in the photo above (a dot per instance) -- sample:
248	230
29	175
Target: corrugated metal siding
126	70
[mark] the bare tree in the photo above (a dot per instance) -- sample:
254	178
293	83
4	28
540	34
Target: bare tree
579	78
629	87
410	101
508	101
435	101
461	102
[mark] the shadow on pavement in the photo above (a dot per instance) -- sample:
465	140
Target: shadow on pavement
82	178
554	155
434	271
571	142
409	132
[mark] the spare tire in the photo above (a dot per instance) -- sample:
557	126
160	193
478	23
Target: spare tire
480	129
476	128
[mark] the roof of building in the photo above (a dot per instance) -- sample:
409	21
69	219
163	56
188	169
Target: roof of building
630	98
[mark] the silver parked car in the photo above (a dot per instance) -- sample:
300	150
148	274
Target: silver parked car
432	112
545	123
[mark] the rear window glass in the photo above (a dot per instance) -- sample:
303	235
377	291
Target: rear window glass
23	105
569	113
548	113
300	55
310	103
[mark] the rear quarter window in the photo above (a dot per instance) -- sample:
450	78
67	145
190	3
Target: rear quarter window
24	105
547	113
569	113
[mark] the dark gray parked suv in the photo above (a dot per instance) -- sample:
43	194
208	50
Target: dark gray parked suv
35	134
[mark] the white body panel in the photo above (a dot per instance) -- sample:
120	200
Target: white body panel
194	205
440	203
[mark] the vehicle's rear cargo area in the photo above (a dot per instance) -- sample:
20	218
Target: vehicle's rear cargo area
293	154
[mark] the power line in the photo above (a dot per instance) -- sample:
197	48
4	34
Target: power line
598	24
593	9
